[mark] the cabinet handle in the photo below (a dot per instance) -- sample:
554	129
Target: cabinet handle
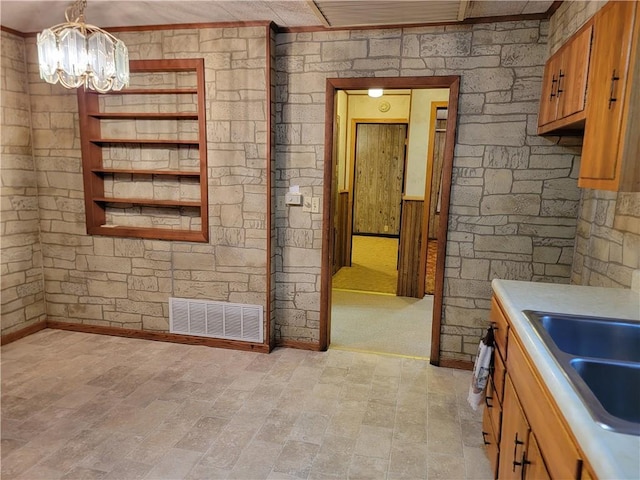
516	442
560	77
486	401
484	439
614	79
554	80
522	464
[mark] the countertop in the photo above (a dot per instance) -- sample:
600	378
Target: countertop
611	455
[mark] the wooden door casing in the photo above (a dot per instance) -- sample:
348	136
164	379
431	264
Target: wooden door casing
379	176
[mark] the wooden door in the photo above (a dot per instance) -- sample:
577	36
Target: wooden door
513	440
549	96
379	178
572	77
607	80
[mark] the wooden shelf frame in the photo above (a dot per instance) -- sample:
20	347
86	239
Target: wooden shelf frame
92	143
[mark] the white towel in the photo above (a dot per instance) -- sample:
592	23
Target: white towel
480	375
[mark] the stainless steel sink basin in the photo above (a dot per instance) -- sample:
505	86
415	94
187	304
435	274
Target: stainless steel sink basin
601	359
593	336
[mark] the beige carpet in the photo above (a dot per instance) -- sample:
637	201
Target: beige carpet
377	323
373	267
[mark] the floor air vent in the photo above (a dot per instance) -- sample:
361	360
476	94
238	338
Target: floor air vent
204	318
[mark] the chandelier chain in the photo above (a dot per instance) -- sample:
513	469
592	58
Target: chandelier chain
75	13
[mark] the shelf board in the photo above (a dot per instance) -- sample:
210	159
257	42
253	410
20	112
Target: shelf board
148	201
102	141
172	173
146	116
153	91
151	233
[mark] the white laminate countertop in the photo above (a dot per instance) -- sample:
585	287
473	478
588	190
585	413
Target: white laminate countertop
611	455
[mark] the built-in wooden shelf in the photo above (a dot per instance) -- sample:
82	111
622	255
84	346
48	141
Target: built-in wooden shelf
148	201
145	141
146	116
154	91
93	112
170	173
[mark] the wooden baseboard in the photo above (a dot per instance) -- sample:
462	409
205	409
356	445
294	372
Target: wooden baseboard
23	332
160	336
314	347
459	364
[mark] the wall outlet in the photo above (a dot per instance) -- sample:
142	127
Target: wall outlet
315	205
386	228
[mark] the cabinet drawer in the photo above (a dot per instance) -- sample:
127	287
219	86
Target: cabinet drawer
558	449
490	442
493	406
500	327
498	375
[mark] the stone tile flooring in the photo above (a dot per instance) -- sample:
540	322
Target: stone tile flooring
77	405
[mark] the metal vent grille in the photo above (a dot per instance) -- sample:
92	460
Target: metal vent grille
206	318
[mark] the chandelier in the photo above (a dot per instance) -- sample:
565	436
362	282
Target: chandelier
75	54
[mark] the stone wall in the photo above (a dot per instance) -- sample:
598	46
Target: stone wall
607	246
21	253
124	282
514	198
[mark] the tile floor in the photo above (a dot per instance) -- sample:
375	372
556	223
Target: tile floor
87	406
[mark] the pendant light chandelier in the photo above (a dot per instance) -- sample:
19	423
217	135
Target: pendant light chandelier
76	54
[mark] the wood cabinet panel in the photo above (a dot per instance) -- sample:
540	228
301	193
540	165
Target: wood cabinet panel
513	441
533	463
610	149
494	409
498	375
557	446
564	87
490	442
500	327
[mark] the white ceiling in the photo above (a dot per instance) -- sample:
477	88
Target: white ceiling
34	15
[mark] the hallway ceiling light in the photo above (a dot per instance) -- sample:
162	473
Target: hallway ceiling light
375	92
75	54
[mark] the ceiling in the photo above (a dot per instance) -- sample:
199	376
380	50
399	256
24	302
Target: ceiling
34	15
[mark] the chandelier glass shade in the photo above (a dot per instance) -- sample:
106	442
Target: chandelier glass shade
77	54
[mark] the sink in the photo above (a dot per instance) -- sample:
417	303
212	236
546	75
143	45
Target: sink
615	385
593	336
601	358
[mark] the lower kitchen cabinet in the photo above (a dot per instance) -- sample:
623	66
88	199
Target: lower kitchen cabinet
524	433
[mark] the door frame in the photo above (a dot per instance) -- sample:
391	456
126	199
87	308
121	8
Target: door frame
352	171
451	82
427	194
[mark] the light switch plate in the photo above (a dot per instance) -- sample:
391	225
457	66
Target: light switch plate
315	205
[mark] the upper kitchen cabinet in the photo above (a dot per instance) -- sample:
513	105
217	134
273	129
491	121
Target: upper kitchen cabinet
562	103
611	147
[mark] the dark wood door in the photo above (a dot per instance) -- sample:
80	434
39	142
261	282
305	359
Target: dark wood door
379	178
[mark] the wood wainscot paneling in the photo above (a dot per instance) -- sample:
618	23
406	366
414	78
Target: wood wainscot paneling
341	240
409	249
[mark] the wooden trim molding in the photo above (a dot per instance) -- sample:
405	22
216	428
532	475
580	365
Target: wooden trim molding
458	364
23	332
314	347
452	82
12	31
159	336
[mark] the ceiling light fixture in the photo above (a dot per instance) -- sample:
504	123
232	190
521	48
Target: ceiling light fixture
75	54
375	92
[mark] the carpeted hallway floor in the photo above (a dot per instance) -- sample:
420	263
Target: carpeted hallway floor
381	323
373	267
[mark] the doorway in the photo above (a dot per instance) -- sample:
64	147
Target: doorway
336	204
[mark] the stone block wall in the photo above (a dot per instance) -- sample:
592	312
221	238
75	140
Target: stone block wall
21	252
124	282
514	198
607	248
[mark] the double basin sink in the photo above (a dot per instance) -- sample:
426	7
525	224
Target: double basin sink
601	359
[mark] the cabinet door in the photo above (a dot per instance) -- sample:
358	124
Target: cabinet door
515	430
534	467
549	97
572	75
607	82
